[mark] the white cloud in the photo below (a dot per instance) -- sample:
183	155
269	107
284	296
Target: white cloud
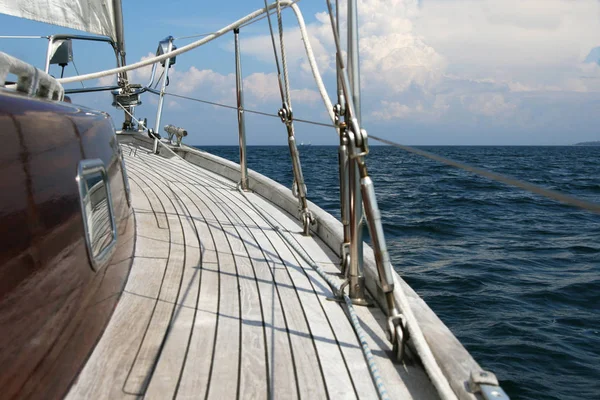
395	110
109	80
434	61
489	104
523	40
306	96
262	87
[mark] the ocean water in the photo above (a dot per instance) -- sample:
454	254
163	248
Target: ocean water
516	277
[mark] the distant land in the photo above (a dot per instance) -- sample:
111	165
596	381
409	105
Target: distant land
595	143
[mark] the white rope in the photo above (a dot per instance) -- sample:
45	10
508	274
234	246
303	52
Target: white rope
436	375
174	53
286	3
313	63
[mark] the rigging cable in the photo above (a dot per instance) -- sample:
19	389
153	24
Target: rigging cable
182	49
76	70
494	176
286	79
266	114
275	51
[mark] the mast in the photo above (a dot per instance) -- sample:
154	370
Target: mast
119	36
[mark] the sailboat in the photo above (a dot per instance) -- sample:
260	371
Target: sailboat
133	265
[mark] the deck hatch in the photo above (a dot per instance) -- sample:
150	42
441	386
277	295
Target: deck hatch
97	211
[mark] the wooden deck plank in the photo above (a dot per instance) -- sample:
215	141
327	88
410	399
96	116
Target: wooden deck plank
201	186
105	372
165	377
161	324
318	250
139	203
146	276
343	329
196	371
223	306
225	367
282	380
339	384
345	385
310	380
254	376
416	382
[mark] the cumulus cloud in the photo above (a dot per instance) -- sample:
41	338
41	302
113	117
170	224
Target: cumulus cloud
535	42
262	87
489	104
433	61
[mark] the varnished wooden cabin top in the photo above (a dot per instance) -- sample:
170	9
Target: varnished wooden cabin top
218	305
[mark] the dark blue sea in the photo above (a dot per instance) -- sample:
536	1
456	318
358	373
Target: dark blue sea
516	277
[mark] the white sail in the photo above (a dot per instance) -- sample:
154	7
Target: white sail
102	17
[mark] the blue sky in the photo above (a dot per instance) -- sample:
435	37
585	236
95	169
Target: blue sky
433	71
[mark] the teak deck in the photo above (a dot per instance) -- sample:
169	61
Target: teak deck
218	305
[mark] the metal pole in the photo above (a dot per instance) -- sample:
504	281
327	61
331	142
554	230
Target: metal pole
356	214
353	57
343	158
162	94
48	50
344	201
240	107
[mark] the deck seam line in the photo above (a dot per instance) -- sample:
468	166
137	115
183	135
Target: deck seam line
176	305
219	302
175	309
297	295
218	308
275	285
153	307
257	289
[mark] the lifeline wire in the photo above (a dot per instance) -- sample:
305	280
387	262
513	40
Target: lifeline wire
305	121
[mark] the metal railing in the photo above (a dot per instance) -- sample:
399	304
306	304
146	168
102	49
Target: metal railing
356	186
239	87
